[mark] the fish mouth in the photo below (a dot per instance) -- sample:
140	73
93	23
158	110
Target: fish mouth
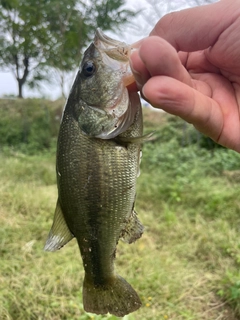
109	45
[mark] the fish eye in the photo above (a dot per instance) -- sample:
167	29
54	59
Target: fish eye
88	68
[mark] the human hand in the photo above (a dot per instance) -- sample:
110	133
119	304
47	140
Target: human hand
189	66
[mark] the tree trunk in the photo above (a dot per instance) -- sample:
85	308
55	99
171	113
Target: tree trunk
21	80
62	84
20	86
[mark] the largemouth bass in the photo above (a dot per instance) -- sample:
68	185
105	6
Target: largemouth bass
98	156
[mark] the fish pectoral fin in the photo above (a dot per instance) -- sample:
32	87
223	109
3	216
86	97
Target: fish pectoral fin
133	229
135	140
59	234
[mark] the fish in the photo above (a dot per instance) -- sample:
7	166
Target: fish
97	165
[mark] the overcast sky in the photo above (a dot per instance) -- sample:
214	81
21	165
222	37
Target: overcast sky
151	11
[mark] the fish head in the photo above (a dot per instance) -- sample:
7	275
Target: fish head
105	108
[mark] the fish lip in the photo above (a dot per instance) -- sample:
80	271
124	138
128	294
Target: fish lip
113	48
101	38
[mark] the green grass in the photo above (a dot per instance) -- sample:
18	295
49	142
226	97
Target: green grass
186	265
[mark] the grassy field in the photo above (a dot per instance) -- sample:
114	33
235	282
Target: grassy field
186	265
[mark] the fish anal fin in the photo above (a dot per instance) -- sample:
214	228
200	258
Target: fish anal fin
133	229
116	297
59	234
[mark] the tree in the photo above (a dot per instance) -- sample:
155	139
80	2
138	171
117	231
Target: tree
67	34
36	35
106	14
22	36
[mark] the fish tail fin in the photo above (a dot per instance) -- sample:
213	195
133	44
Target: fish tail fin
117	297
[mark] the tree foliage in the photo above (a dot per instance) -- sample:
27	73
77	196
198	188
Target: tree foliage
36	35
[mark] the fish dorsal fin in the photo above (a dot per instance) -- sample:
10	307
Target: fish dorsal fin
59	234
133	229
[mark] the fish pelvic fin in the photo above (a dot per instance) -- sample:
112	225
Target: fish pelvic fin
118	297
133	229
59	234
